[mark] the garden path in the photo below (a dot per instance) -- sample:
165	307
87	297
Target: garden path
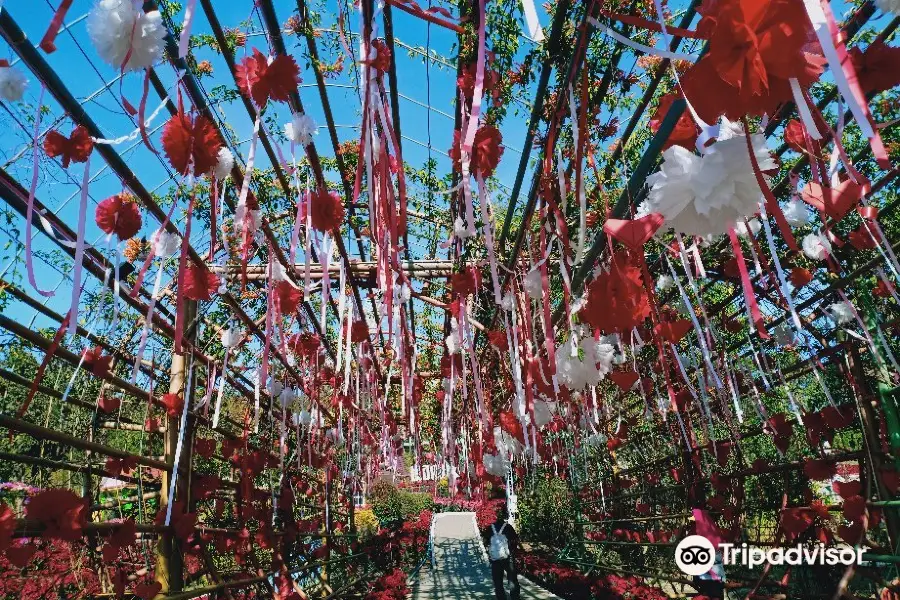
460	570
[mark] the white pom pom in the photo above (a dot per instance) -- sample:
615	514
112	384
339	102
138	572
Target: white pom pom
816	247
708	195
286	397
796	213
230	337
459	229
120	29
301	129
224	164
165	244
664	282
889	6
12	84
543	412
841	312
304	418
576	373
275	388
453	341
534	288
508	302
741	227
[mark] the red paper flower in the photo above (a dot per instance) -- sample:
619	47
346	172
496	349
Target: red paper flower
77	147
617	300
685	132
794	135
878	69
173	404
487	148
326	210
305	344
800	277
288	297
117	466
123	537
359	332
119	214
98	364
466	282
382	60
183	523
61	512
261	80
200	283
755	47
147	591
191	141
498	339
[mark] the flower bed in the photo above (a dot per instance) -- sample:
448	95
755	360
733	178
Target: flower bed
571	584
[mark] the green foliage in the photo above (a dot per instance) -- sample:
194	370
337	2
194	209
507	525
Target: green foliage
546	512
391	504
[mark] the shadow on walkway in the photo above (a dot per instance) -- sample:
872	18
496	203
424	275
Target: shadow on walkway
461	571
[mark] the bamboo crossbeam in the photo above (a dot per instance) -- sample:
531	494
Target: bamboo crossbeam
414	268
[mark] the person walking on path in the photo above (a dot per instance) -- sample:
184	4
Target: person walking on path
502	543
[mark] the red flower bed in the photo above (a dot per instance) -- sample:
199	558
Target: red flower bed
570	583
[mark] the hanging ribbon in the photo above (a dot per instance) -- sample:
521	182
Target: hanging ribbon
182	267
752	307
185	38
29	265
79	250
48	41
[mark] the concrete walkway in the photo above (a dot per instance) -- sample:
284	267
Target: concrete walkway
461	570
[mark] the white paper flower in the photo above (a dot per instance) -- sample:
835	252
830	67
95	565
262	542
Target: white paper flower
247	217
224	164
275	387
165	244
543	412
505	443
459	229
230	337
304	418
784	335
454	344
816	246
534	288
708	195
508	302
286	397
335	436
120	29
496	465
579	370
12	84
889	6
796	213
664	282
301	129
841	312
741	227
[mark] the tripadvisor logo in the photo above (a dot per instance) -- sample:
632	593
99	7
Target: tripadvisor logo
695	555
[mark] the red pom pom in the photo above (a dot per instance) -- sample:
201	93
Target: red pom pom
200	283
487	148
119	214
262	81
359	332
173	404
326	211
77	147
794	135
685	132
288	297
465	283
94	360
191	141
878	69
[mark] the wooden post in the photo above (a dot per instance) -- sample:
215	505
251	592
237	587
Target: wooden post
169	556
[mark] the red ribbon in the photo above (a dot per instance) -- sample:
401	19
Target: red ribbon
47	42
